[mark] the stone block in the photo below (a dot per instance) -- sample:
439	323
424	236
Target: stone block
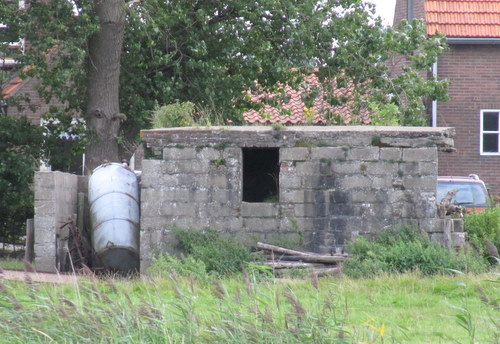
307	168
409	168
295	154
150	223
381	182
311	210
428	168
222	196
296	196
420	154
391	154
379	168
44	208
260	224
346	167
208	154
290	181
458	225
248	209
431	225
422	184
179	154
363	196
355	182
458	239
328	153
363	153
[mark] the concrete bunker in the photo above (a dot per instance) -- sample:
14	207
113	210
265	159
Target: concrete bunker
314	186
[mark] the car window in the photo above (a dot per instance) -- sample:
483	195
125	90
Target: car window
468	193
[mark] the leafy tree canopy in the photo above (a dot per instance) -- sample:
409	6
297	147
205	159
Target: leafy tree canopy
20	149
210	52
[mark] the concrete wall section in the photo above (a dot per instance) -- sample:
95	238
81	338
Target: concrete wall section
55	204
334	183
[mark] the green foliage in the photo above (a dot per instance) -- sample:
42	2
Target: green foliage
65	139
210	53
174	115
221	255
403	249
163	265
483	225
386	114
20	151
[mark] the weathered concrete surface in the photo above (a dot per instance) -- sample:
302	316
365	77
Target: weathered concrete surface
55	204
334	183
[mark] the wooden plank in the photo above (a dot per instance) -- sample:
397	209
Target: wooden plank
279	249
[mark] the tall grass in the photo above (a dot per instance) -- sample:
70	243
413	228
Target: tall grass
406	308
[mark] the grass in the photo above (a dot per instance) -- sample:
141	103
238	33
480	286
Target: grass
407	308
11	263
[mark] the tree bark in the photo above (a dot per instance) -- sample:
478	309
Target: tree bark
103	111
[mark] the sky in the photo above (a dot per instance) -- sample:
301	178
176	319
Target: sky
385	9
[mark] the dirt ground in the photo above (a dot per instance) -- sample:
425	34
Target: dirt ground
37	276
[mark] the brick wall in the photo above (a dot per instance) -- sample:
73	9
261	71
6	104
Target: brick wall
28	89
473	71
401	10
334	183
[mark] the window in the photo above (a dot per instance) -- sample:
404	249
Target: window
490	132
260	174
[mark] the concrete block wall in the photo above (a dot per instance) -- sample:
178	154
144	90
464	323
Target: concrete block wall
334	183
55	203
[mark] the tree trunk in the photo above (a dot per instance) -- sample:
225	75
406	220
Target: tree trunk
103	110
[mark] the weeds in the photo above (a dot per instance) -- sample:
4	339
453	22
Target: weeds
404	249
220	255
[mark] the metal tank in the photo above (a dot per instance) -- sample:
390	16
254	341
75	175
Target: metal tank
114	217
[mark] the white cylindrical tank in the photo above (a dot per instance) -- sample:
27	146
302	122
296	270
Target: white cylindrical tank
114	217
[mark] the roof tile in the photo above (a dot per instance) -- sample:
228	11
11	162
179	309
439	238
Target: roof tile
463	18
289	106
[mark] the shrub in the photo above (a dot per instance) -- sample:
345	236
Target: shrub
174	115
483	225
404	249
221	255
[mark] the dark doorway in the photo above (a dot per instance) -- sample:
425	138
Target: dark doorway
260	174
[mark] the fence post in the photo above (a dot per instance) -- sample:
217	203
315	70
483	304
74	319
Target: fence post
29	250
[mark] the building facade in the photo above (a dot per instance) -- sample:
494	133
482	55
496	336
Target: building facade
472	65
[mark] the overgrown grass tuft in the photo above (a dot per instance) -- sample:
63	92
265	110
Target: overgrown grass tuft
404	249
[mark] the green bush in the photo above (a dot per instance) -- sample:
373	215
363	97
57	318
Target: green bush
221	255
398	250
174	115
483	225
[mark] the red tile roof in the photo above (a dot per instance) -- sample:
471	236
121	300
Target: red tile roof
289	106
12	85
463	18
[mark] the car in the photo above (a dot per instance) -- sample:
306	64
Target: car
471	191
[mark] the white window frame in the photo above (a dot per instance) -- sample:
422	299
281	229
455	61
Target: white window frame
482	132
